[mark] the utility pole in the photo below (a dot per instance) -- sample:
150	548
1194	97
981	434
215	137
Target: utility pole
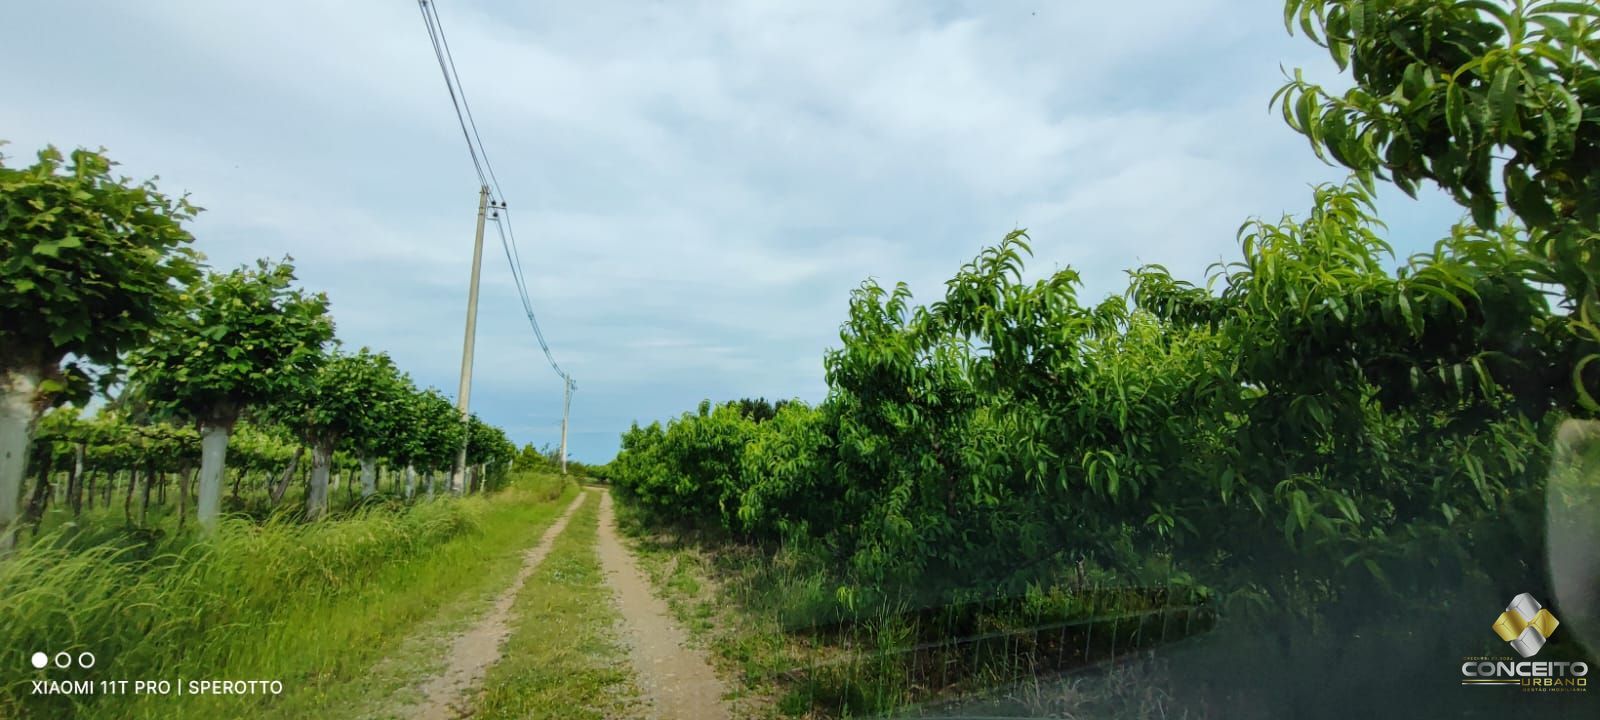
464	393
566	405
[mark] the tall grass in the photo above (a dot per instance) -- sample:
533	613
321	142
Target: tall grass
186	606
780	623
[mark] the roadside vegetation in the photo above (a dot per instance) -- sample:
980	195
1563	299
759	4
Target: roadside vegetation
197	481
1334	452
193	468
311	605
104	296
775	630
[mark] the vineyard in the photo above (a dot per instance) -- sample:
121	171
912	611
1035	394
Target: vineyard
103	284
1319	441
221	395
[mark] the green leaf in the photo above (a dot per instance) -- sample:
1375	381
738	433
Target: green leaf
1503	99
1584	398
1525	197
1377	572
1455	114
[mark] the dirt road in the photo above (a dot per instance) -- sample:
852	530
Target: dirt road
676	680
448	695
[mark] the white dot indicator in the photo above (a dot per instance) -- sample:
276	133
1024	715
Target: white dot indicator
40	660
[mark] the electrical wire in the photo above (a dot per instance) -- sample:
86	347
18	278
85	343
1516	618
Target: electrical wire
475	149
438	53
445	41
527	306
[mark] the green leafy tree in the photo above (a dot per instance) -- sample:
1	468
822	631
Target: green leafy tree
480	442
489	451
689	471
243	339
1493	101
440	435
258	449
403	441
534	459
343	400
90	263
1321	413
759	409
57	445
388	391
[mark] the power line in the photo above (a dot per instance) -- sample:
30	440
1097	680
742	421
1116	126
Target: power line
475	148
527	306
434	10
438	53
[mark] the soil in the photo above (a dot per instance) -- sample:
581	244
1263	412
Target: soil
676	680
448	695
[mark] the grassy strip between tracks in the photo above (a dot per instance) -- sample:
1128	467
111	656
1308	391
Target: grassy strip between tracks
564	658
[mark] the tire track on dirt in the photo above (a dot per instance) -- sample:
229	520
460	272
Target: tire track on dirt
448	695
675	679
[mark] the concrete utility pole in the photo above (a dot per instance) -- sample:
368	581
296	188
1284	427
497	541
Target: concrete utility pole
566	405
464	393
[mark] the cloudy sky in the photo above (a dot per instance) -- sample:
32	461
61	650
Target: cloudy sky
697	185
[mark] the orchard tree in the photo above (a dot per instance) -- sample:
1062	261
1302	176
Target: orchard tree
243	338
57	446
479	440
530	458
90	263
343	400
402	441
389	391
263	450
440	434
488	450
1492	101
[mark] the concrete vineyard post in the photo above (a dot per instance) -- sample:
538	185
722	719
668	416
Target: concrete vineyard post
16	425
213	456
